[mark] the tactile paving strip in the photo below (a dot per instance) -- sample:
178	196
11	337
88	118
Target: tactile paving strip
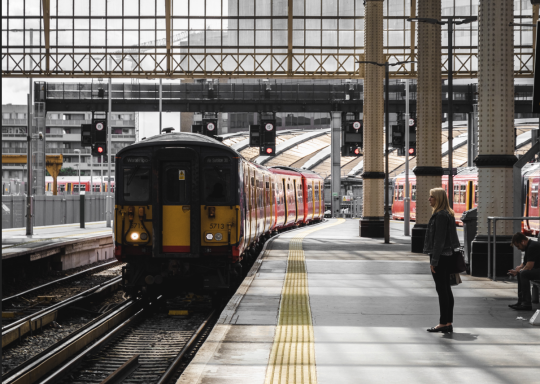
292	359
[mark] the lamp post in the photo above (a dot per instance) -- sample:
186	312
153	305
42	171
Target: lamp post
452	20
78	151
386	66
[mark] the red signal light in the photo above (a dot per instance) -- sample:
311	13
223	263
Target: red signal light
356	151
100	149
411	151
269	150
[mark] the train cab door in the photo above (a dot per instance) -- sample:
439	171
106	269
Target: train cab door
176	207
177	219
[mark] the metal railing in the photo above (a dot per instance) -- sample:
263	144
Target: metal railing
494	219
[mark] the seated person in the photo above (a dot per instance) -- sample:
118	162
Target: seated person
527	271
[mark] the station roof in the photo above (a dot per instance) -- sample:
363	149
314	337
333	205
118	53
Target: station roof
311	149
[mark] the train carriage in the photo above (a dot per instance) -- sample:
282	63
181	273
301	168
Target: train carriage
190	211
465	195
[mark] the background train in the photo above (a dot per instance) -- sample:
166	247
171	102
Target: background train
192	212
465	195
70	184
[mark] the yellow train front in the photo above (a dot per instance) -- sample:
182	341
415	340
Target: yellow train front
177	221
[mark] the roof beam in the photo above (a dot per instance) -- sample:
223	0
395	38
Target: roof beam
168	32
46	5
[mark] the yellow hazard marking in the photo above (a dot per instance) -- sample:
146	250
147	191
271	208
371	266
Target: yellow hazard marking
181	174
181	312
7	315
292	359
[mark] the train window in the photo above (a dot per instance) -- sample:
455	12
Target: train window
136	183
534	196
400	193
463	194
413	193
217	184
176	184
456	193
476	193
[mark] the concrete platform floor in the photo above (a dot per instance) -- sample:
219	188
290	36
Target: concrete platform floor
69	245
370	306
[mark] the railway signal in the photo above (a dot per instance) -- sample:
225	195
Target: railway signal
254	135
353	140
267	132
398	135
98	136
210	127
86	135
412	136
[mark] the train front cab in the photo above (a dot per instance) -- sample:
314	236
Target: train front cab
177	218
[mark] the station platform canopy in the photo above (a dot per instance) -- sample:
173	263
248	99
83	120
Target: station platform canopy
311	149
315	39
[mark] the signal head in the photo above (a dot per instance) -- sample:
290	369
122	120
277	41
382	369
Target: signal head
100	149
411	151
357	151
269	150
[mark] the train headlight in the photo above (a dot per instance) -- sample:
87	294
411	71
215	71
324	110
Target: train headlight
134	236
209	236
219	236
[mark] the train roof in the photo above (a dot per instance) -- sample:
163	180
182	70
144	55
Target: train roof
180	138
305	172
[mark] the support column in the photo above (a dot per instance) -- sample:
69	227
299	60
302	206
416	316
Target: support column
495	132
372	223
335	169
428	170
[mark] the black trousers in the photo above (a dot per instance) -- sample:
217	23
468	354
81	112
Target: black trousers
524	285
444	290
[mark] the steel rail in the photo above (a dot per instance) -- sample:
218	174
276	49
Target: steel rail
34	321
77	275
175	364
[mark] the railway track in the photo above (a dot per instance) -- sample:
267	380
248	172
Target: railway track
139	333
35	317
11	300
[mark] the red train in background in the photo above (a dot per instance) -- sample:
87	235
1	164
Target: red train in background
465	195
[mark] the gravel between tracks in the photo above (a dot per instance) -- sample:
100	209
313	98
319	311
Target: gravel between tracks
25	284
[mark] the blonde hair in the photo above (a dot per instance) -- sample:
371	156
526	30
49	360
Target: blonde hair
441	200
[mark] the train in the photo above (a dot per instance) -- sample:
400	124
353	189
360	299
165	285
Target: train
193	213
70	184
465	195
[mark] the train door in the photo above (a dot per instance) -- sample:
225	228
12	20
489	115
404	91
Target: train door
470	195
296	200
176	208
285	201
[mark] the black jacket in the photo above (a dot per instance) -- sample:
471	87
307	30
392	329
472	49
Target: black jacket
441	236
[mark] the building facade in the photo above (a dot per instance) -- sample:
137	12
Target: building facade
63	136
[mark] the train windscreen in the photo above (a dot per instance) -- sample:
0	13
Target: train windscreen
136	179
217	179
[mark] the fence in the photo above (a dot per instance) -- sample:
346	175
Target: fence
52	210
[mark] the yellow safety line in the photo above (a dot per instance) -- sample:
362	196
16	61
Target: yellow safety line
292	359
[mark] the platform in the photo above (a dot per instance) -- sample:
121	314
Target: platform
323	305
69	245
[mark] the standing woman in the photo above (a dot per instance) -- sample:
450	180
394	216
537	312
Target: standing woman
441	240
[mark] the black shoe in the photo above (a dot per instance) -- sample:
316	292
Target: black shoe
514	305
522	307
445	329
